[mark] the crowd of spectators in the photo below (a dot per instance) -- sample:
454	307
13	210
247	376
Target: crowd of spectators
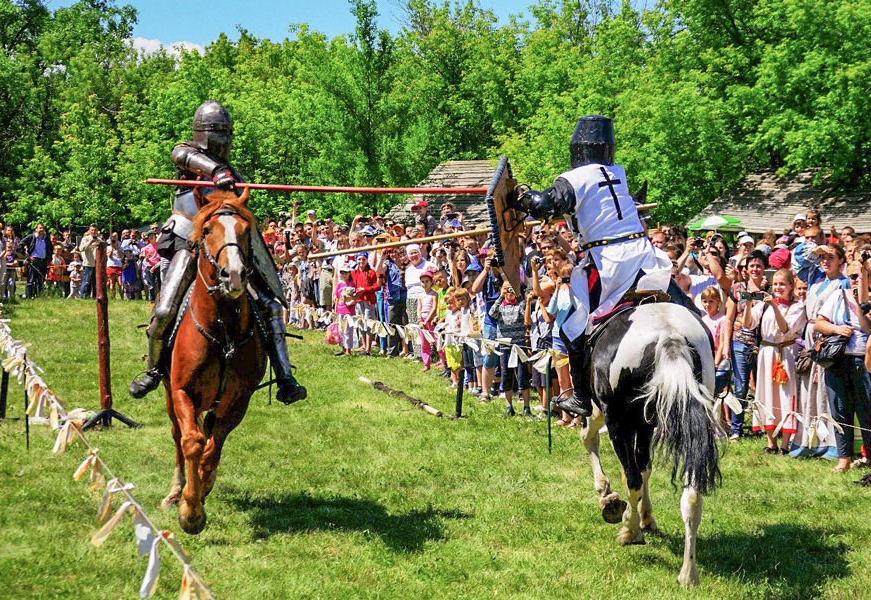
765	299
56	263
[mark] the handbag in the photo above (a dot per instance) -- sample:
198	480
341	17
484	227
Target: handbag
803	362
828	349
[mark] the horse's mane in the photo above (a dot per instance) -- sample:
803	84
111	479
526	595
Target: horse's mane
217	200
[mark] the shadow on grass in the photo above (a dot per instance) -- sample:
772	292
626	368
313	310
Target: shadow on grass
407	532
786	561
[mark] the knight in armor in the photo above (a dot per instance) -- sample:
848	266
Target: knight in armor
206	158
596	203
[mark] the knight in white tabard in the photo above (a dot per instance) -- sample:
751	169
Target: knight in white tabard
598	208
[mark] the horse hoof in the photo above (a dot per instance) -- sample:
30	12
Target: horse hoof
628	538
192	525
688	578
613	510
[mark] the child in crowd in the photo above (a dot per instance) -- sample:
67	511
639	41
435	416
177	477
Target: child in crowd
345	305
467	328
716	322
77	272
509	312
453	346
427	309
57	269
129	282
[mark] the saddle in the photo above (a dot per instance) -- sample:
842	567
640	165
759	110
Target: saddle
631	299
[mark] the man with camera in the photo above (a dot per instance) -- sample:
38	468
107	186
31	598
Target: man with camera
37	251
428	221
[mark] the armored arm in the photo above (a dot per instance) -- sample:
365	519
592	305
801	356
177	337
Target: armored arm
193	160
557	200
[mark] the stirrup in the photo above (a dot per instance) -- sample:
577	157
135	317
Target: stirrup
149	381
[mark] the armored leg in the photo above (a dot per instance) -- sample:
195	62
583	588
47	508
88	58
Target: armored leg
179	275
581	401
289	391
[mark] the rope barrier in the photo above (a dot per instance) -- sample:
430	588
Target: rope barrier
69	428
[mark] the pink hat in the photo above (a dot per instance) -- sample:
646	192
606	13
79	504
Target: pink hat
781	258
427	273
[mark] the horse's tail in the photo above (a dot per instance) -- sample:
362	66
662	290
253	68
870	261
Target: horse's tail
687	427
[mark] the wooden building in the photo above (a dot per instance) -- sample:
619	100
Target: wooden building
765	201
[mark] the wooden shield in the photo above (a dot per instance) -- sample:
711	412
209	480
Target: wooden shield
506	223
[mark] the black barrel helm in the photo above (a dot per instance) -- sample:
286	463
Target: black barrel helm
592	141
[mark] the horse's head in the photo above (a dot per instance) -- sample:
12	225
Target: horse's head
223	230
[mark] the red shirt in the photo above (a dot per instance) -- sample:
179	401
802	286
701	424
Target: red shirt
366	284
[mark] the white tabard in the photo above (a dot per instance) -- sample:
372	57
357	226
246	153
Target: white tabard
604	210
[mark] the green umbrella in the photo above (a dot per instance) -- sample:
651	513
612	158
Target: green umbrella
716	222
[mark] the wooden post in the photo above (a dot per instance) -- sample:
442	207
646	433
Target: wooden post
107	413
103	332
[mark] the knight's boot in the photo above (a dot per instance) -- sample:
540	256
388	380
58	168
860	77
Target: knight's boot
152	376
289	391
580	403
179	275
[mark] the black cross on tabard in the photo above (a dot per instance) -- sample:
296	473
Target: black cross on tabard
610	184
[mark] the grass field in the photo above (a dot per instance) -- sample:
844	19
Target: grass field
353	494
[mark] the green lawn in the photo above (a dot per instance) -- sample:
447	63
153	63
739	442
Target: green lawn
354	494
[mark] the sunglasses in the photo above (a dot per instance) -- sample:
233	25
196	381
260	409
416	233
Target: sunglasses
854	277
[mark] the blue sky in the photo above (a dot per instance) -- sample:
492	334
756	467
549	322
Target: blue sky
200	22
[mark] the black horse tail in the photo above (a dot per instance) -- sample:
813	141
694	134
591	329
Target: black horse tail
687	427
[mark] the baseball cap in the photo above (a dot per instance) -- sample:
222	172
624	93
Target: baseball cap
799	217
746	239
311	211
420	204
427	273
345	268
363	254
474	267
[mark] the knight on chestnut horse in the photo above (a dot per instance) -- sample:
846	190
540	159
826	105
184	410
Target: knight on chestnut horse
217	359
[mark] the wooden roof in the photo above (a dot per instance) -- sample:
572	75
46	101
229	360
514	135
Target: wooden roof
765	201
454	173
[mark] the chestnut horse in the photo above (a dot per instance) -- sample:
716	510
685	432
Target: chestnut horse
218	358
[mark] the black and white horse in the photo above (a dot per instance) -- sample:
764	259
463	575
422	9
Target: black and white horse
652	372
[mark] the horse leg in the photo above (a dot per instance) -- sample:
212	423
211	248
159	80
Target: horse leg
191	515
178	481
691	511
642	457
610	504
215	444
631	532
645	508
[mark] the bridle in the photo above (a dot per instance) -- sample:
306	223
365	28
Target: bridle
213	259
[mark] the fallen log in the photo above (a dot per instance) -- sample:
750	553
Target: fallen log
399	394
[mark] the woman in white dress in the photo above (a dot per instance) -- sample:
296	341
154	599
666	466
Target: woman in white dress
781	320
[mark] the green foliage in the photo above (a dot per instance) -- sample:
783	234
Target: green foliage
703	92
355	494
